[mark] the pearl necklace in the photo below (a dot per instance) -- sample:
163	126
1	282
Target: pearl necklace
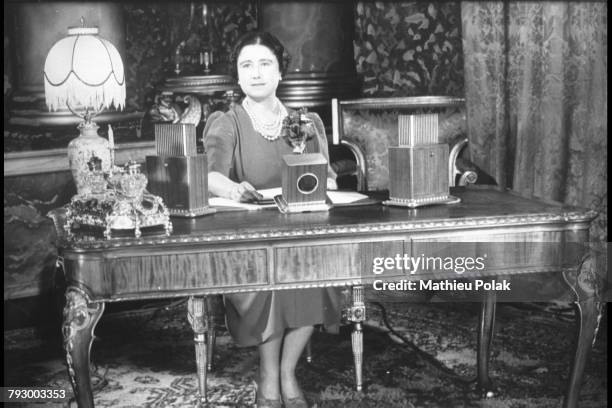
269	131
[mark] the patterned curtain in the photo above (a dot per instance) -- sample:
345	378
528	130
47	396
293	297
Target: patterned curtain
536	93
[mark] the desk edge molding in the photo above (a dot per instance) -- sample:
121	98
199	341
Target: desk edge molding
571	217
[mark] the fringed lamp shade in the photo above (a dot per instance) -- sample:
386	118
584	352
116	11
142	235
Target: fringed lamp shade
83	71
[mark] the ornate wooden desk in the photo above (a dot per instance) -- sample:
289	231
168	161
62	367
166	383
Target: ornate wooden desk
263	250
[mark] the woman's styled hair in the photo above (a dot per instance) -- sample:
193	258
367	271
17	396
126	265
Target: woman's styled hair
262	38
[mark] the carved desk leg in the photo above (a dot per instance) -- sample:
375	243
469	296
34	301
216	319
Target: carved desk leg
80	319
212	334
587	288
198	318
485	335
356	314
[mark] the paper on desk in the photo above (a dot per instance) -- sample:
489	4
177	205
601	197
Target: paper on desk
336	197
345	197
226	202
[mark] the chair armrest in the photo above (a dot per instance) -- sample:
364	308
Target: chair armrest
353	166
461	171
458	166
362	184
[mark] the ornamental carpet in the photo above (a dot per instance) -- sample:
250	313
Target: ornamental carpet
145	358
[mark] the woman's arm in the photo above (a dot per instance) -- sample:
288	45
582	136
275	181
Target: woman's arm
220	136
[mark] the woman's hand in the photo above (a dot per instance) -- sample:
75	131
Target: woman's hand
244	192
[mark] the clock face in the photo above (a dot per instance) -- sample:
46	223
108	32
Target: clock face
307	183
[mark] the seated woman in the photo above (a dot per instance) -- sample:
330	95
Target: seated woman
244	152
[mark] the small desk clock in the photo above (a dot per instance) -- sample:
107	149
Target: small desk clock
303	175
418	166
304	183
178	173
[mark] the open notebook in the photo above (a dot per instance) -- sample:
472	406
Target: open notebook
336	198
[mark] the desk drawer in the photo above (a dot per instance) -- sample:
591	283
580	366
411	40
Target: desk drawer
320	263
185	271
511	252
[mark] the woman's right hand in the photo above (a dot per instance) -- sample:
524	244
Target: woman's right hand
244	192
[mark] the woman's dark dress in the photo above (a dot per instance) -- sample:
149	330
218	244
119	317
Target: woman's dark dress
237	151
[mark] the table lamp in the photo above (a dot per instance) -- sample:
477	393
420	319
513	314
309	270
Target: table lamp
84	73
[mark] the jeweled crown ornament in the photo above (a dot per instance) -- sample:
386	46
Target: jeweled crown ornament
131	182
95	178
